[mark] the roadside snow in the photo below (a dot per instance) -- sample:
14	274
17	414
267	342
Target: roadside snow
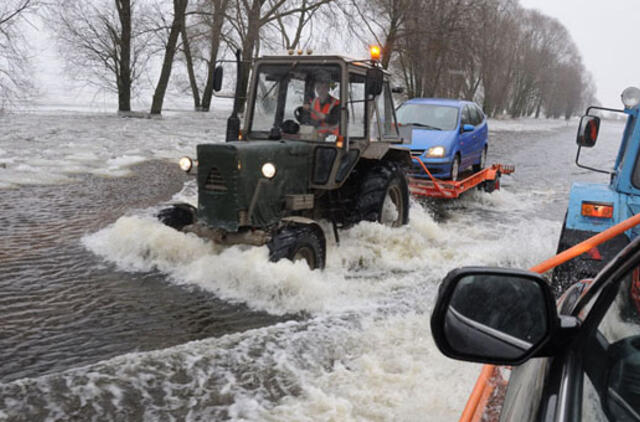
528	124
46	146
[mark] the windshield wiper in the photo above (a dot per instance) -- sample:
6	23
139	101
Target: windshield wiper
423	125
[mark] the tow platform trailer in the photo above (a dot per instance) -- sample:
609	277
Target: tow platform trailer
488	178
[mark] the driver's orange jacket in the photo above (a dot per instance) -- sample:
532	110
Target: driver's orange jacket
317	107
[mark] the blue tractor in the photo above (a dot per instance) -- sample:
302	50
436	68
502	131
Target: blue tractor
594	208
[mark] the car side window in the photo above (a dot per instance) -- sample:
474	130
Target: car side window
612	356
481	115
475	116
466	116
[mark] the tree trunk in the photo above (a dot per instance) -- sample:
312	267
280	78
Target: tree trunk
248	46
216	30
124	74
179	7
192	76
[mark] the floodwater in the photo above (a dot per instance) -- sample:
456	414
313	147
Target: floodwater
105	314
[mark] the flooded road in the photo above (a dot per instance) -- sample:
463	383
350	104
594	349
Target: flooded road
105	314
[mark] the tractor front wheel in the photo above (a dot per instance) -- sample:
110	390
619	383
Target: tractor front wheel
297	242
178	216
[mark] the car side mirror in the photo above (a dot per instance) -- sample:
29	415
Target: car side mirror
217	78
374	82
493	315
588	131
468	128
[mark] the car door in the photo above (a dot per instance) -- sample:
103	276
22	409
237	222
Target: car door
596	376
600	373
466	139
482	130
476	121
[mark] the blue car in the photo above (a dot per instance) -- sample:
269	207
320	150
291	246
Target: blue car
449	136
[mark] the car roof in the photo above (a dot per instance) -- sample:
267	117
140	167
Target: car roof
439	101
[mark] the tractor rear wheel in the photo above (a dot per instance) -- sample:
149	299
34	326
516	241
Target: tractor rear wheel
383	195
178	216
297	242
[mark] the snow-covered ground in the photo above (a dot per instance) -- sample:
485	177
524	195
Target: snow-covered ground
47	145
528	124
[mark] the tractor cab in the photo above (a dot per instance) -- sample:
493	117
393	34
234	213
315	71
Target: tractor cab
325	102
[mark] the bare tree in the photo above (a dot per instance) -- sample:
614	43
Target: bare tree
15	81
102	43
218	10
249	17
179	8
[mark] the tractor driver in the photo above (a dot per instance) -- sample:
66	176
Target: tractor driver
324	110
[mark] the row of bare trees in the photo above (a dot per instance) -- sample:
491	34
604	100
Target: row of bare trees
509	59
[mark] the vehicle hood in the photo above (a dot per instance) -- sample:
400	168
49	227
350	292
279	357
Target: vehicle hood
424	138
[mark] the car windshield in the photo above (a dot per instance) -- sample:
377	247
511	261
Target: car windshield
428	116
297	101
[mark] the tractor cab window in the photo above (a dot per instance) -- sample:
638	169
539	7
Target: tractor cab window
383	120
296	101
356	107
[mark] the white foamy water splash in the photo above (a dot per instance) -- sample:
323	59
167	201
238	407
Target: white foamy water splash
365	351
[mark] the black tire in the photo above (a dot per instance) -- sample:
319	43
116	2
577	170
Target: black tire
483	161
455	168
568	273
299	241
178	216
377	183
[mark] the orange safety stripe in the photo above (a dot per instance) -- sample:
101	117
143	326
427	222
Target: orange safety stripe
484	386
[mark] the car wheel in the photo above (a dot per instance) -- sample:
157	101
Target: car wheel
178	216
483	160
455	168
299	242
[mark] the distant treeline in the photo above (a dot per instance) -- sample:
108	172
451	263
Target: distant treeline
508	59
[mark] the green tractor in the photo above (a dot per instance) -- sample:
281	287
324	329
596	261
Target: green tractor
319	142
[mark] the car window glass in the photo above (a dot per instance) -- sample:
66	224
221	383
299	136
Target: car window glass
622	318
466	116
475	116
591	406
480	114
617	371
356	106
428	116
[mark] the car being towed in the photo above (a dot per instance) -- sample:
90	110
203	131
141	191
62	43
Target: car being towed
449	136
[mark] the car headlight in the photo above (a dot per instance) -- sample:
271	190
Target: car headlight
186	164
435	151
631	97
268	170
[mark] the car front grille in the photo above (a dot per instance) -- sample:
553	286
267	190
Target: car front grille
417	152
215	181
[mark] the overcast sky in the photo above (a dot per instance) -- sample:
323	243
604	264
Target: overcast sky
604	32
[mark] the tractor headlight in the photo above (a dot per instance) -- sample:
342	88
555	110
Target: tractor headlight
186	164
435	151
268	170
631	97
